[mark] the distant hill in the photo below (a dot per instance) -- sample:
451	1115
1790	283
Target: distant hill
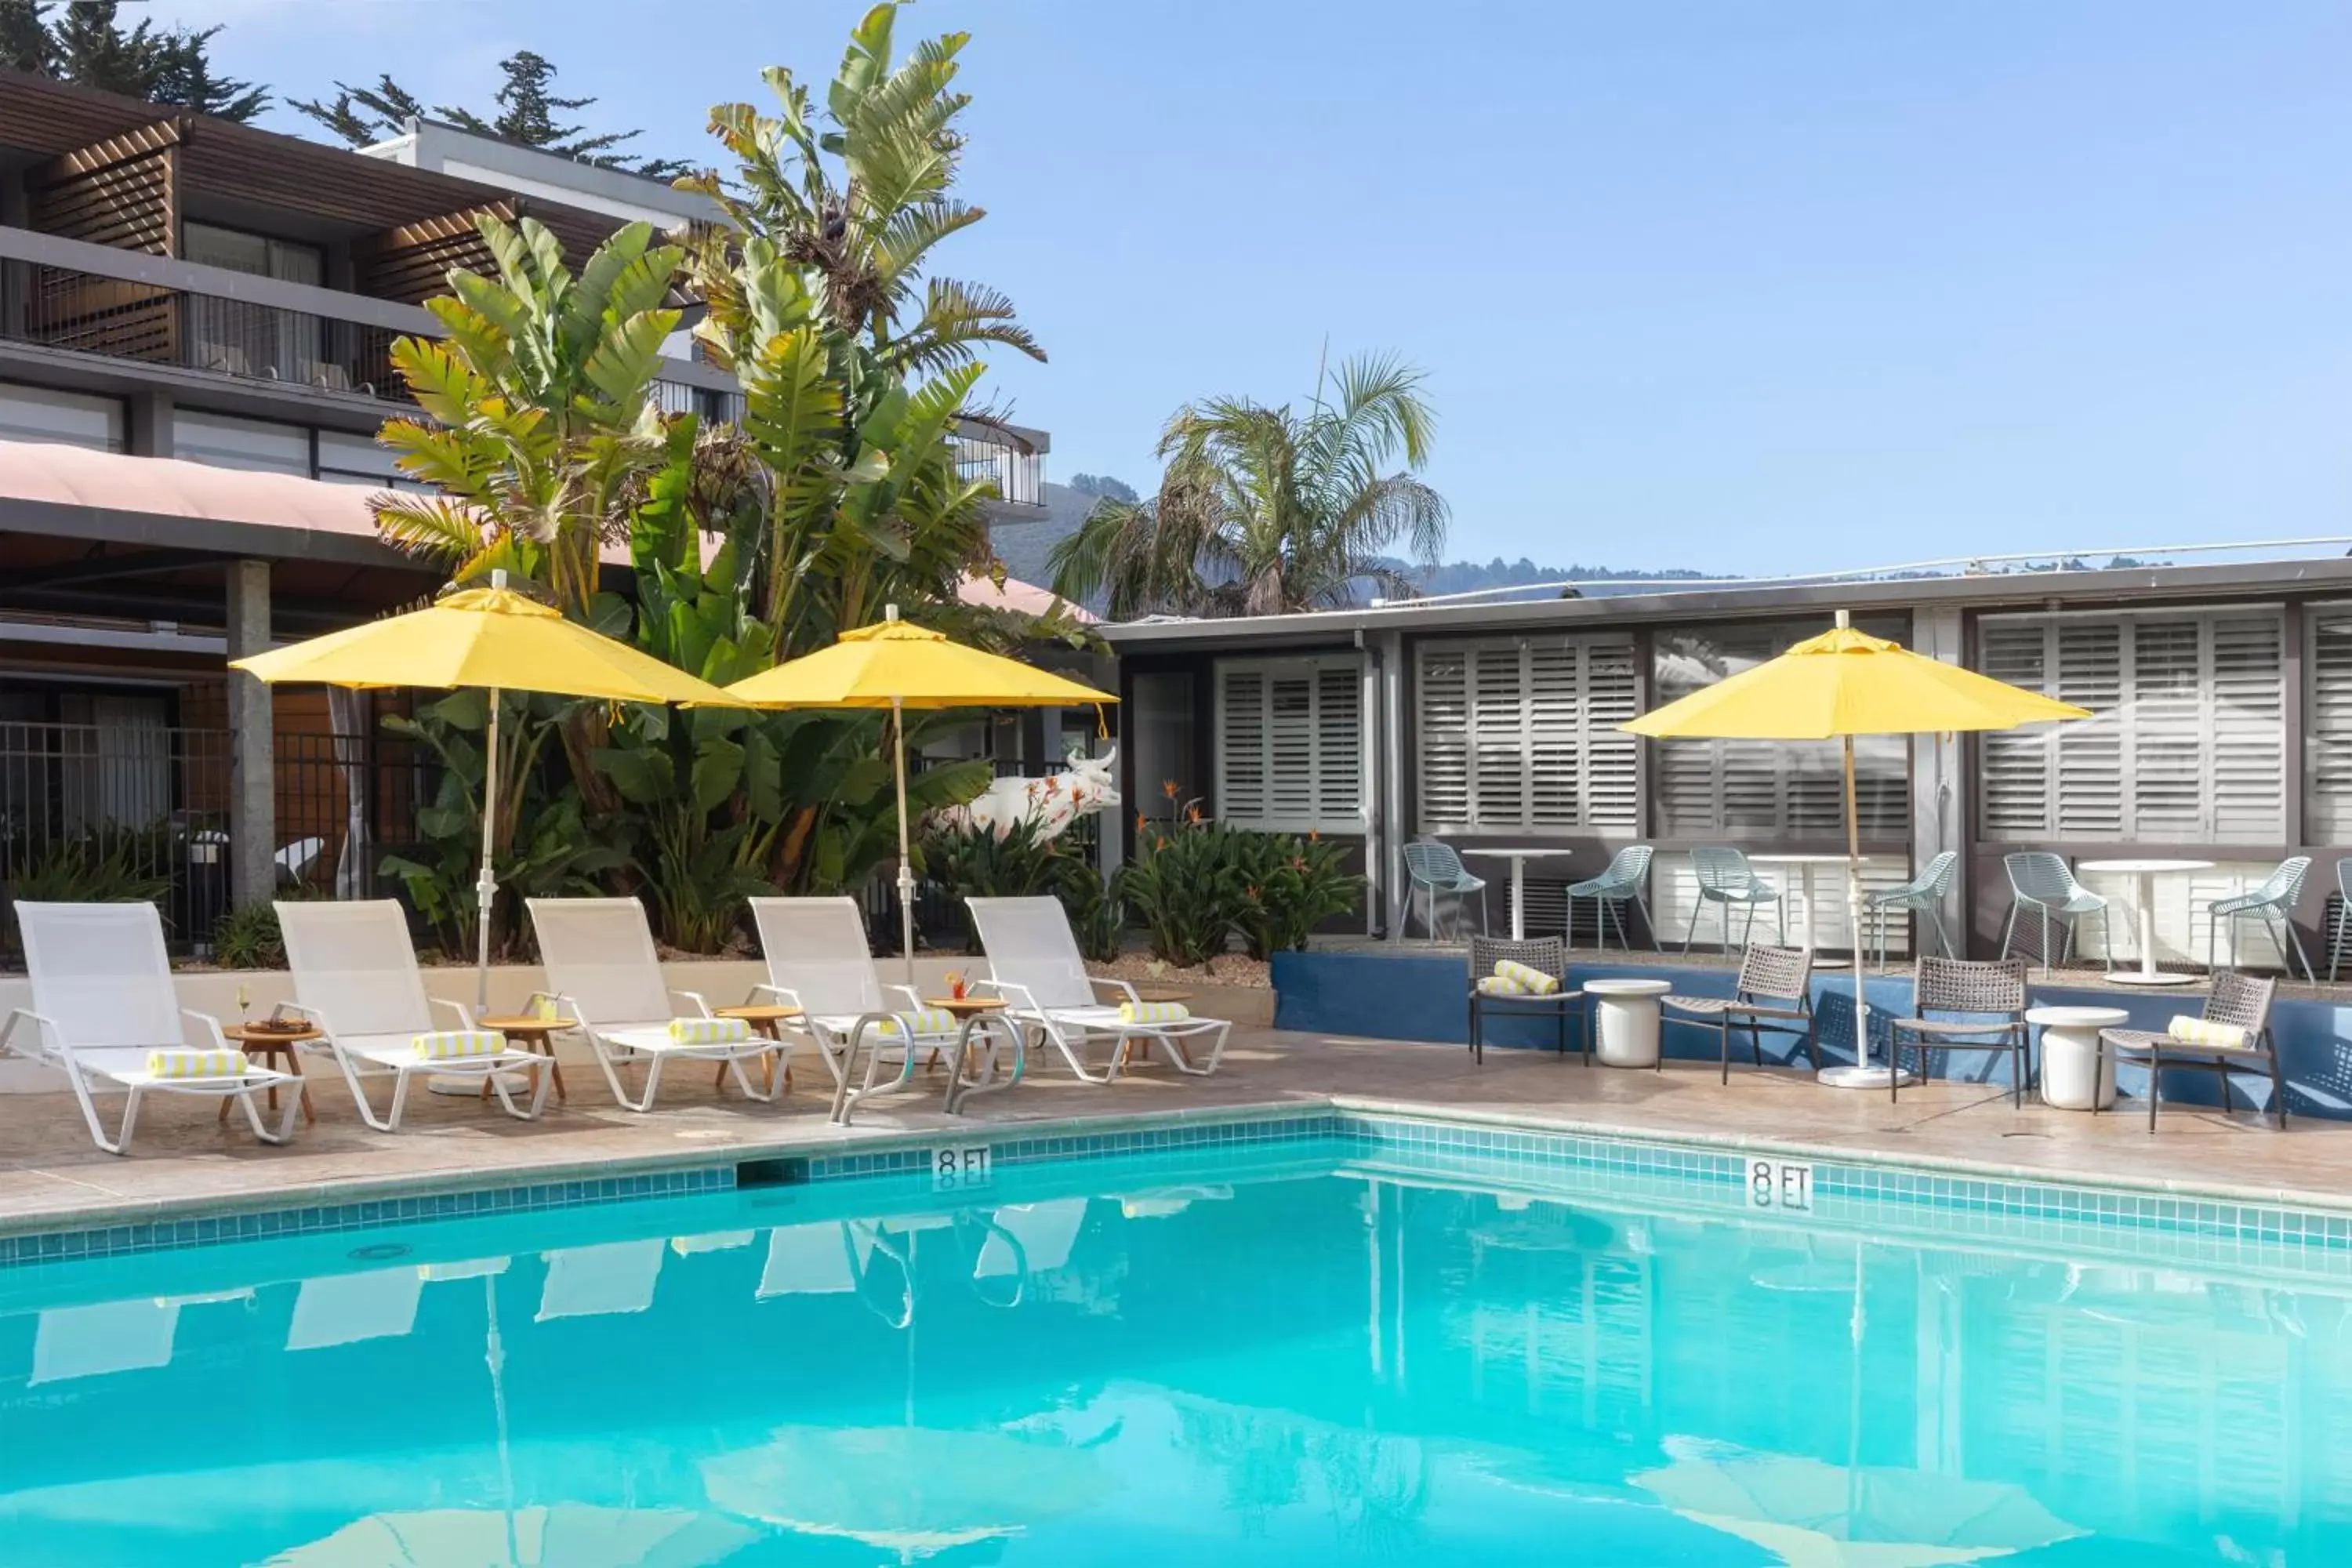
1470	576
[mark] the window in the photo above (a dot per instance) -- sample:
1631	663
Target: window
1158	725
2187	744
237	337
229	443
1520	735
1769	791
348	459
1290	744
67	418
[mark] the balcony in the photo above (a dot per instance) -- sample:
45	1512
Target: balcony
1014	460
179	316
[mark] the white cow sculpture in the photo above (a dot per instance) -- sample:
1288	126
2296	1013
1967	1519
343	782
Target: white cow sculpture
1052	802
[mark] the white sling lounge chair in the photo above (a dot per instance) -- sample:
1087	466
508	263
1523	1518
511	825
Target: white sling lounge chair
1034	962
601	1280
104	1002
606	978
355	977
818	962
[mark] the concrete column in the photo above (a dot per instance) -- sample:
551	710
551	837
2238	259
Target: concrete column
1939	803
253	784
150	431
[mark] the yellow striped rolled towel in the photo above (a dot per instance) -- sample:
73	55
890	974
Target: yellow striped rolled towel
1153	1012
921	1021
179	1062
1536	981
1501	986
708	1031
457	1045
2191	1031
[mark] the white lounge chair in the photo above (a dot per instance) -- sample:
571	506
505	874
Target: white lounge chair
355	977
818	962
1031	1239
603	973
104	1002
1035	964
820	1257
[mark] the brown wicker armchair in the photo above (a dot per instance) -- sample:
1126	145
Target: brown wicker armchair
1565	1006
1773	996
1989	1000
2236	998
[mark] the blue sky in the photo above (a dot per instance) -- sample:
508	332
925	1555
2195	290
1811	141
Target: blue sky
1701	283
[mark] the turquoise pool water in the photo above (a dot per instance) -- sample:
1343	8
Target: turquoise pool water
1297	1355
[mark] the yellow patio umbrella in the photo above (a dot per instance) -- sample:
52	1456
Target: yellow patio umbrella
1833	686
897	666
495	639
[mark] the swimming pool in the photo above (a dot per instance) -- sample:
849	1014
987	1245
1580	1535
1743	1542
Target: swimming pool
1368	1344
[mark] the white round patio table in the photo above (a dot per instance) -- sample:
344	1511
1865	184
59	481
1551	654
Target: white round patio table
1519	860
1805	867
2077	1072
2144	873
1625	1021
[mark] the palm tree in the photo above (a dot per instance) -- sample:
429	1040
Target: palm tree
860	197
1264	510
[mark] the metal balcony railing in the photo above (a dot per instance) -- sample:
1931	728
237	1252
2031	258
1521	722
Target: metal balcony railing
1019	472
127	320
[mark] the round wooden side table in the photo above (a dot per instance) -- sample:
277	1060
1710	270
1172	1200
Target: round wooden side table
531	1033
767	1018
271	1047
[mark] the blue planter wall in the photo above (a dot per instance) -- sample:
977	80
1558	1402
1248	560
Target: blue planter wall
1422	996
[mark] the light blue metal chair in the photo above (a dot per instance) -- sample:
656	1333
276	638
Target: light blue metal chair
2044	882
1433	872
1610	891
1922	895
2273	903
1726	877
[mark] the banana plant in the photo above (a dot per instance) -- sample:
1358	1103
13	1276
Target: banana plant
538	406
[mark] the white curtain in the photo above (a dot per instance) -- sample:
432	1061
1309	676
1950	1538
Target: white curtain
348	712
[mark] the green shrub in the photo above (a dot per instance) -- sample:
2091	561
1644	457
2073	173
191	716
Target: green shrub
1185	886
248	937
1290	885
971	862
1098	915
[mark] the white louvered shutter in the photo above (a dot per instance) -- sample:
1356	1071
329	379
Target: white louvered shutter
1242	759
1520	735
1340	747
1613	776
2186	743
1291	744
1443	692
2327	727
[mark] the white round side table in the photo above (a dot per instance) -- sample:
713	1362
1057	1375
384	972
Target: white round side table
1625	1020
2077	1072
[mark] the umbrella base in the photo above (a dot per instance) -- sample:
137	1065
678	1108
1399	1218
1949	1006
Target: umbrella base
1864	1077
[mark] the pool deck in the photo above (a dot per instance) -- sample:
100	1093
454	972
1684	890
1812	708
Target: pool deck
183	1163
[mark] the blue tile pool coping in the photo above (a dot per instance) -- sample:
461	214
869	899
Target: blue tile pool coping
1848	1193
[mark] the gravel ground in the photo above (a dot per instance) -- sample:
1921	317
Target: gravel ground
1142	969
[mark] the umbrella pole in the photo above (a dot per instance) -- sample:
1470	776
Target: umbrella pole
906	858
1862	1075
486	885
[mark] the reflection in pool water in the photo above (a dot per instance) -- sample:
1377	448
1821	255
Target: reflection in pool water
1108	1364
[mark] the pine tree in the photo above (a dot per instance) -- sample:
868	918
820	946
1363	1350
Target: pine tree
526	114
83	42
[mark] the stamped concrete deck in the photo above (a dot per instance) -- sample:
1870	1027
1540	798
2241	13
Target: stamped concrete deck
51	1177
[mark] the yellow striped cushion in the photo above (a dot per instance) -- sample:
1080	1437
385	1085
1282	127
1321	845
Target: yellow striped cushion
456	1045
708	1031
188	1063
1153	1012
921	1021
1502	985
2197	1031
1535	981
